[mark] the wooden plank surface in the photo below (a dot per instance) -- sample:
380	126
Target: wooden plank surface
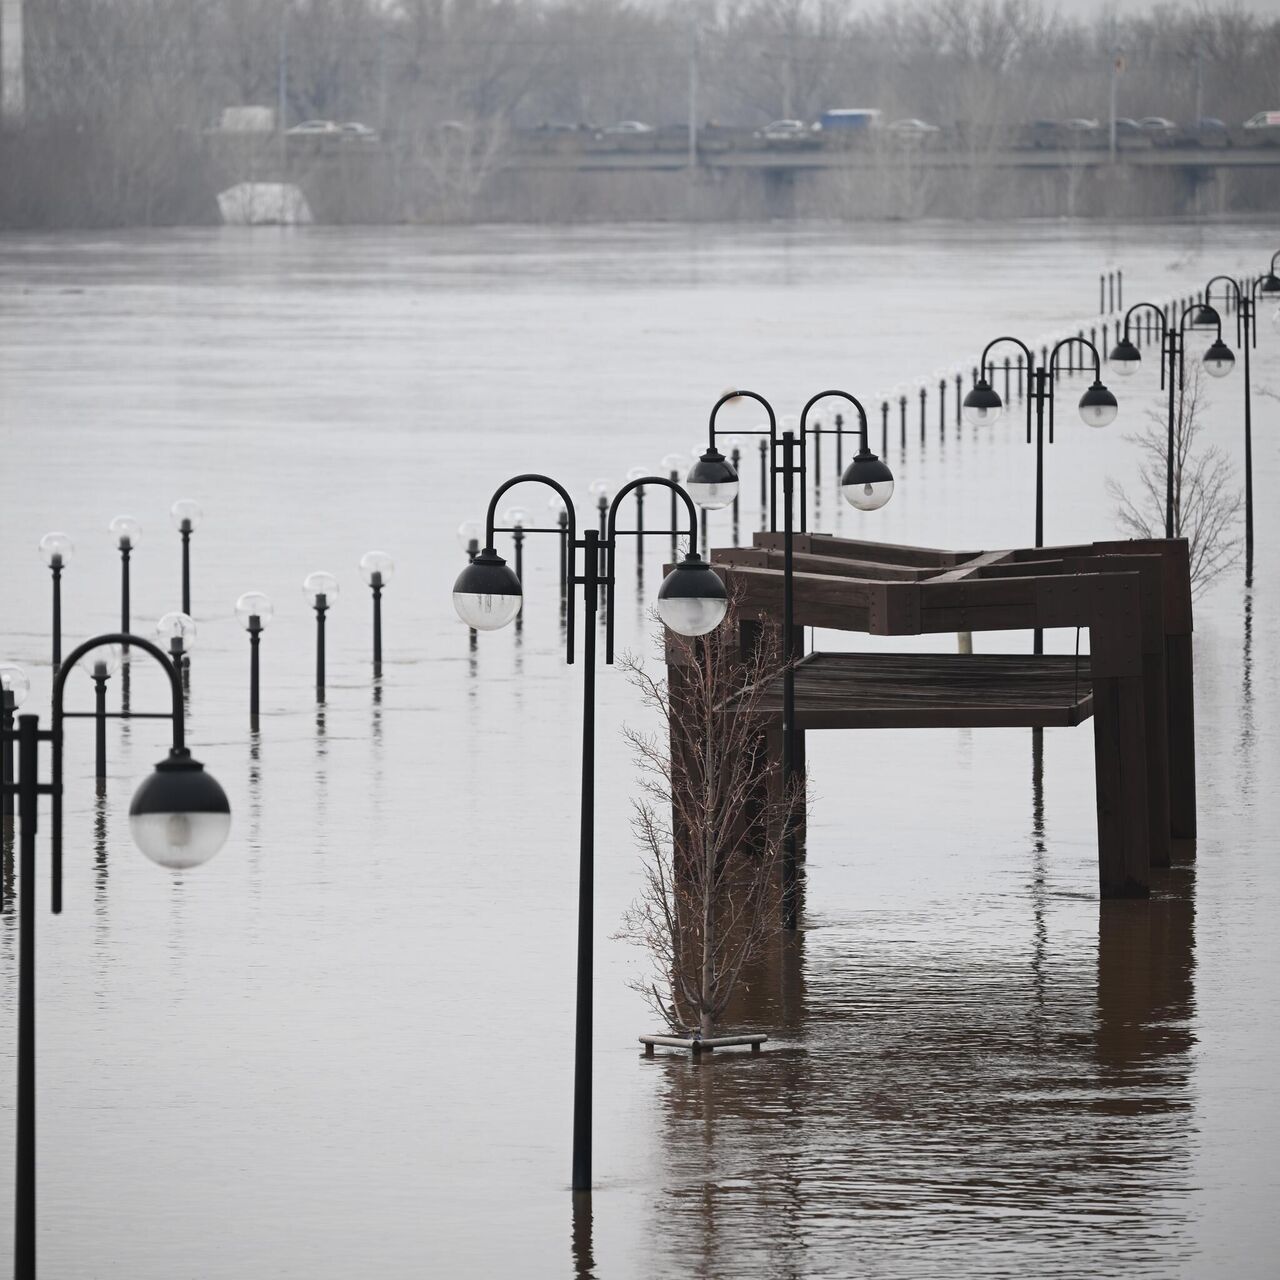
922	690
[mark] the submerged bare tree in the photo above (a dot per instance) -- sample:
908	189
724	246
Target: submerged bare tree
709	822
1206	508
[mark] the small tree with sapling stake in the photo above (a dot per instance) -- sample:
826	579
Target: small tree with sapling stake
1206	509
709	821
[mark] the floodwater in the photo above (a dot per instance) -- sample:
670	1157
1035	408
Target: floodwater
344	1047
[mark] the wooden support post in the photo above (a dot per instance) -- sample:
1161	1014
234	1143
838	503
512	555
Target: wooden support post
1120	743
1123	819
1181	703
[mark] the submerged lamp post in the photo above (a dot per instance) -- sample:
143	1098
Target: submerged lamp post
320	589
14	687
56	549
185	514
101	663
254	611
983	406
1218	362
1245	296
866	483
179	818
178	631
126	531
376	568
691	601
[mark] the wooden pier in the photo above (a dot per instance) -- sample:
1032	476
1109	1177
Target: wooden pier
1134	679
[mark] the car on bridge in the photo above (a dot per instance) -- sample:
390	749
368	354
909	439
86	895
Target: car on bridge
1264	120
314	129
625	128
788	132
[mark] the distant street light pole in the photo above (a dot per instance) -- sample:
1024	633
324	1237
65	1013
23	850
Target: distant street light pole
254	611
127	531
376	567
867	483
691	601
1218	362
1246	303
321	590
983	406
56	549
186	515
179	818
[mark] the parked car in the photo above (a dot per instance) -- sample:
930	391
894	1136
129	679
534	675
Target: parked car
358	132
313	129
1126	126
912	128
849	118
784	131
1081	124
1157	124
627	126
1209	131
1264	120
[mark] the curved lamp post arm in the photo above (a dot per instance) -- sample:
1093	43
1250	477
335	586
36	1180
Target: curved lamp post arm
739	395
571	538
1275	257
1241	298
1162	327
1053	365
1031	360
1194	307
772	433
1162	321
176	715
805	429
611	532
841	395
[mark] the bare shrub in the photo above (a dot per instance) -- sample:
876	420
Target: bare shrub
1206	508
709	822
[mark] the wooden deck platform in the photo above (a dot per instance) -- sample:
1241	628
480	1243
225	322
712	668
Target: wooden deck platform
936	690
1132	597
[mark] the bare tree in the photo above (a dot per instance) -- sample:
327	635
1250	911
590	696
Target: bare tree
1206	508
709	821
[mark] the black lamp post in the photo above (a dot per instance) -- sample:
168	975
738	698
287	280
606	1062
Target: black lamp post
177	631
1245	296
101	664
179	818
983	406
185	514
1218	361
321	590
254	611
14	687
127	531
691	601
56	549
376	567
866	483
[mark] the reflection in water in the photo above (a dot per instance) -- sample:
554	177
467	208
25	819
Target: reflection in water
1244	748
100	867
923	1095
254	840
584	1262
1040	938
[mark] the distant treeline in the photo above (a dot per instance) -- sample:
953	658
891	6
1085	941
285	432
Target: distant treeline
121	93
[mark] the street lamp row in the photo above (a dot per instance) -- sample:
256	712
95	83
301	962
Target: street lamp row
179	817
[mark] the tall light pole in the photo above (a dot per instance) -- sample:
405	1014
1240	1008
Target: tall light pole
867	483
983	406
691	601
1218	361
179	818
